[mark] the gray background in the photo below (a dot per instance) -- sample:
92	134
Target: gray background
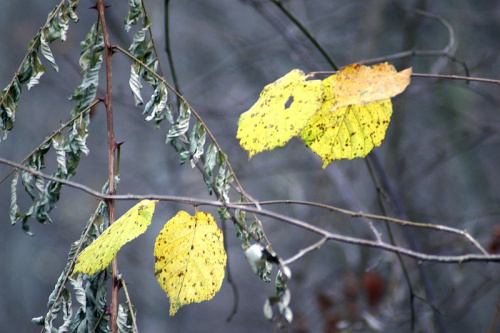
441	154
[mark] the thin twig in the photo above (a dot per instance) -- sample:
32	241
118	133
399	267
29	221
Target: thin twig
229	277
445	52
456	77
168	49
306	33
438	227
429	76
382	198
150	30
306	250
131	309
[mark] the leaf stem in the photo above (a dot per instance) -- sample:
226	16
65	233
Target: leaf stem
168	49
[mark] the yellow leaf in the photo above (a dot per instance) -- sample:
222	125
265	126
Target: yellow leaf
101	252
358	84
349	132
344	116
190	259
356	111
282	111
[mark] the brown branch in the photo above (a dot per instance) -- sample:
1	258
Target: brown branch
108	51
401	222
249	207
456	77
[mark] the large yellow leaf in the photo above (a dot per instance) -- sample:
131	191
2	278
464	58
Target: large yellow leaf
190	259
99	254
281	112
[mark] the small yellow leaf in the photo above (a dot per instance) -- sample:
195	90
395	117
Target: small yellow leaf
281	112
358	84
190	259
101	252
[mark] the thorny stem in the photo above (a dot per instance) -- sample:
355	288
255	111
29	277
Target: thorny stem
108	51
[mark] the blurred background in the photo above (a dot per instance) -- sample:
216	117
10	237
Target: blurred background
439	163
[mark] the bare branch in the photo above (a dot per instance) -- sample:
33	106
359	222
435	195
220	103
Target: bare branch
401	222
306	250
445	52
249	207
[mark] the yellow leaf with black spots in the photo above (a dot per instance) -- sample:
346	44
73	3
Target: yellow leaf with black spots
101	252
280	113
349	132
190	259
343	116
